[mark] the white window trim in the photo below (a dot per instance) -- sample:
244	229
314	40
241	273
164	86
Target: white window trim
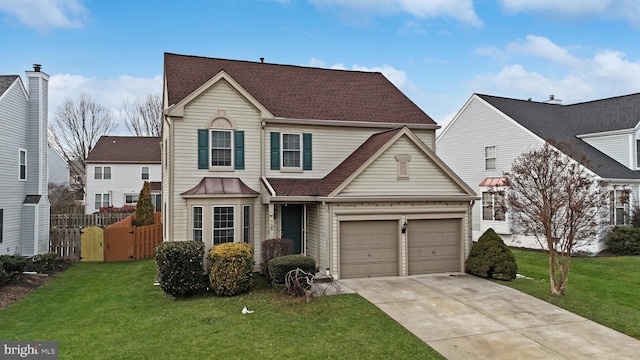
142	172
282	150
246	223
499	226
101	200
130	203
495	157
615	204
230	167
102	172
26	160
193	219
213	225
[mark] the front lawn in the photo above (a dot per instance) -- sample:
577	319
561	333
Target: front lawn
603	289
112	310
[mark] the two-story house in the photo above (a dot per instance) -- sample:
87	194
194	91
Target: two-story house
341	162
117	167
489	132
24	205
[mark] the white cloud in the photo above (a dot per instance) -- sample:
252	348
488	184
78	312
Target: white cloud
47	14
109	93
603	74
608	9
461	10
397	77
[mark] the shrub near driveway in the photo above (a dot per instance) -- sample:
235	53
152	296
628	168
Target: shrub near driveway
112	311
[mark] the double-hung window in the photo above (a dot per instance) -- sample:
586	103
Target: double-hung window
22	164
145	173
492	206
130	199
101	200
619	207
291	150
246	224
221	148
102	172
197	223
223	230
489	157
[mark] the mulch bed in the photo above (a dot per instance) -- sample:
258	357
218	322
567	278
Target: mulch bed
20	286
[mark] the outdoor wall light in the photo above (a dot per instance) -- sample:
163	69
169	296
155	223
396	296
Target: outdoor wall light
404	228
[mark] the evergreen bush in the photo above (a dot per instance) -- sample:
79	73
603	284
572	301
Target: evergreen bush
13	263
145	211
273	248
47	262
491	258
231	268
180	267
623	240
280	266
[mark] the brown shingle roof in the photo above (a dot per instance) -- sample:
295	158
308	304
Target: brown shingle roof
220	186
324	186
126	149
6	81
298	92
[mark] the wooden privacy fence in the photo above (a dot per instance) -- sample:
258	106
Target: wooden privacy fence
120	241
65	221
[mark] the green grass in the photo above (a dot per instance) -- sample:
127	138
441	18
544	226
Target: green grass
603	289
112	311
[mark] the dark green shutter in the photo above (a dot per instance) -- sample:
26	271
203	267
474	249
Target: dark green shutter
203	149
239	149
306	151
275	150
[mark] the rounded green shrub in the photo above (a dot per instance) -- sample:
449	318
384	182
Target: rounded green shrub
491	258
273	248
231	268
624	240
180	267
13	263
47	262
280	266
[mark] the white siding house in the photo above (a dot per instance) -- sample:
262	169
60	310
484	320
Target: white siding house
24	205
58	167
338	161
117	168
488	133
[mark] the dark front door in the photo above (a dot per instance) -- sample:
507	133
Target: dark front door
291	220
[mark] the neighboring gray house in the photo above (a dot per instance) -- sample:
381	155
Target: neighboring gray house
58	167
341	162
489	132
24	205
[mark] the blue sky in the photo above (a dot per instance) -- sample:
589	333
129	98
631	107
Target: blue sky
438	52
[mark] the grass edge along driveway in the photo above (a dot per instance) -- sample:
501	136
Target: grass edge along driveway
112	311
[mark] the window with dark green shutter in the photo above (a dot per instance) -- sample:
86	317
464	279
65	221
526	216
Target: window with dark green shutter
306	152
239	150
275	150
203	149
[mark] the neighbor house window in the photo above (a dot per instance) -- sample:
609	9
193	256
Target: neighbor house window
492	206
489	157
102	172
156	200
246	223
22	165
619	207
1	222
101	200
638	153
197	223
222	224
131	199
291	150
221	147
145	173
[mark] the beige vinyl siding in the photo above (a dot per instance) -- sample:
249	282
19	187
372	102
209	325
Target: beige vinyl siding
197	115
13	136
478	125
618	147
428	137
396	211
425	177
311	232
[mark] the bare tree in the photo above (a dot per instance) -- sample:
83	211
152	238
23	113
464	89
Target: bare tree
143	116
554	198
77	126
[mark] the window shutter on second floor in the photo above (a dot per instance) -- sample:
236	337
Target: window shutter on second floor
306	151
275	150
239	149
203	148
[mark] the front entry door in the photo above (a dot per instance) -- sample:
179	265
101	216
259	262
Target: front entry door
291	220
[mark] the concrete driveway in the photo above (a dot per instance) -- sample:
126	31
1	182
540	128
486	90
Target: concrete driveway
465	317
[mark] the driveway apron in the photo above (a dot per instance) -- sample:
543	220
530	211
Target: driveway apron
465	317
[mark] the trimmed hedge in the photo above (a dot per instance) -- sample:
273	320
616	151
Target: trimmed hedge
273	248
48	262
180	267
280	266
231	267
13	263
491	258
623	240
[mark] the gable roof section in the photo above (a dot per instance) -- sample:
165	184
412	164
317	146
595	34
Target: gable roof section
562	124
126	149
298	92
353	165
6	81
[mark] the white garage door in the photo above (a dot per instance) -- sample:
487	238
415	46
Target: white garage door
368	248
434	246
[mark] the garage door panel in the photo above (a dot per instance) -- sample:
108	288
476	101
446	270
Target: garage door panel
434	246
368	248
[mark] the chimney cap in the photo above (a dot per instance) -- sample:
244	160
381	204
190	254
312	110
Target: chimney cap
262	60
37	67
